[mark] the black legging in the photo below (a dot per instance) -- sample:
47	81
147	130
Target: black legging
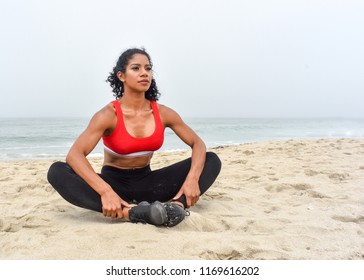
133	185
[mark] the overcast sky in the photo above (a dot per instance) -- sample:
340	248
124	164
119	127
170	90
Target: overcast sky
256	58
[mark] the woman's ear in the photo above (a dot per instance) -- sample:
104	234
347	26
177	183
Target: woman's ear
121	76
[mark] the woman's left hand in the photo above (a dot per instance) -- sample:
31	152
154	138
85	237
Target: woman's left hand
191	190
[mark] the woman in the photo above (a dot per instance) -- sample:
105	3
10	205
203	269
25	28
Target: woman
132	128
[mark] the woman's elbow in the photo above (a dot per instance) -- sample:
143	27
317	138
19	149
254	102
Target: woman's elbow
199	144
73	154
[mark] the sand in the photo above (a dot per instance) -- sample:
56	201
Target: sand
296	200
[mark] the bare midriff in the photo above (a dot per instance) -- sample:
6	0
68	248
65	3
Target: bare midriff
125	162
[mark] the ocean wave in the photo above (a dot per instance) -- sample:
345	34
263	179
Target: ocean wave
53	139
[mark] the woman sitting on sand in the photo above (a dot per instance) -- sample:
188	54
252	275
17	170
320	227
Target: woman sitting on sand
132	128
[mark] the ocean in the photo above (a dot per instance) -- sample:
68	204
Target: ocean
51	138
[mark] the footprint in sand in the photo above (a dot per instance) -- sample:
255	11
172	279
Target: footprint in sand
217	195
339	177
301	187
297	189
199	223
287	187
253	178
26	187
310	172
346	219
240	161
273	178
5	179
24	222
248	254
35	222
12	227
228	255
272	209
315	194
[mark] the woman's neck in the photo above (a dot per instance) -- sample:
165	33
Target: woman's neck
135	102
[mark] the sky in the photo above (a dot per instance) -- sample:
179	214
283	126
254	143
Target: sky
212	58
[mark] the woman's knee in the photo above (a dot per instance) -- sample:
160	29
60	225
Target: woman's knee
56	171
214	162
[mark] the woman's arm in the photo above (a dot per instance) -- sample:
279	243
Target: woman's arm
190	187
101	122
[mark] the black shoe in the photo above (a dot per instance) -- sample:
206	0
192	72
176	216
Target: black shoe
175	214
154	214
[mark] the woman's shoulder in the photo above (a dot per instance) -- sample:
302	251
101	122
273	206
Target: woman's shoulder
106	116
164	109
168	115
108	110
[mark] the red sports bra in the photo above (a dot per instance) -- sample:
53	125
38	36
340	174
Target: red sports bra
121	143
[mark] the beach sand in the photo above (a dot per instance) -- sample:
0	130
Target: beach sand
295	199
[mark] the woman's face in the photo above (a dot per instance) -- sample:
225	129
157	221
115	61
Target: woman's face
138	74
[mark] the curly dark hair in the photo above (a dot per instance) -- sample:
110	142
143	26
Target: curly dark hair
117	86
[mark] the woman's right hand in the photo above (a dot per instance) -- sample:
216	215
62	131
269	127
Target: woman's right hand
112	204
